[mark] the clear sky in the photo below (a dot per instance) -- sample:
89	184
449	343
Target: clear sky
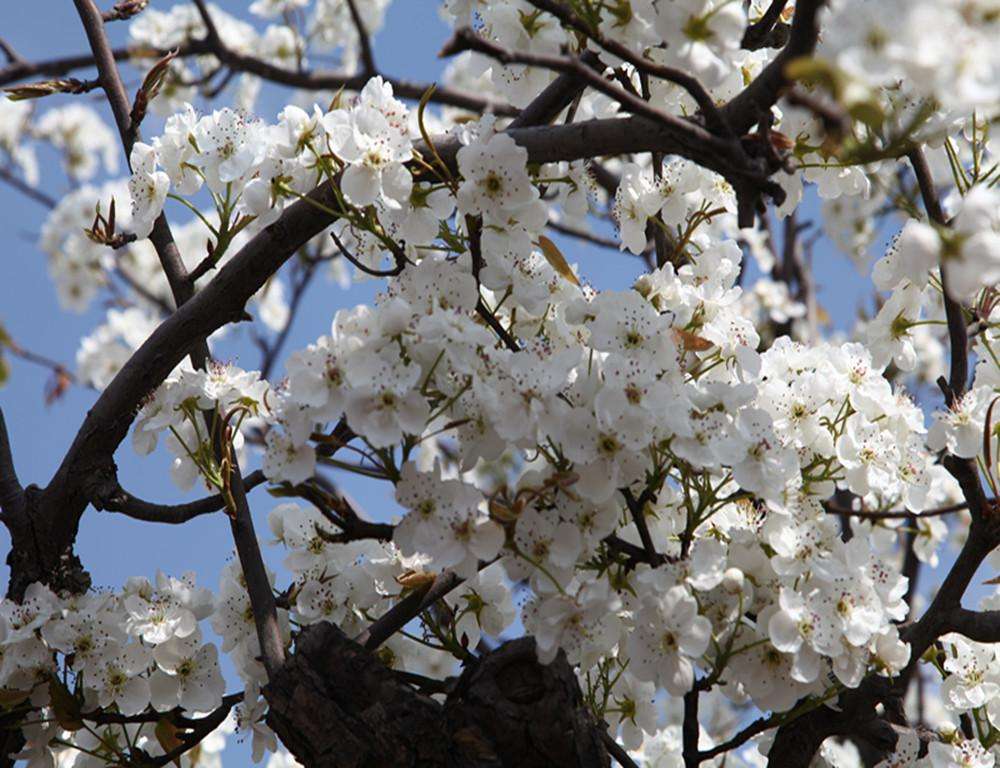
113	547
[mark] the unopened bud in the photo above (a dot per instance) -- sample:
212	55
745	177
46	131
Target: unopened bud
732	581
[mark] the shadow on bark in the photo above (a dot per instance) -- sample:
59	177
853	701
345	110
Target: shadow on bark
335	705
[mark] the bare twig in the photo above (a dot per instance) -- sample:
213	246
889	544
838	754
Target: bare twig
26	189
273	349
903	514
713	117
364	40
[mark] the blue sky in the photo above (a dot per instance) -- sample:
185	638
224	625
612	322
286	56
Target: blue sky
113	547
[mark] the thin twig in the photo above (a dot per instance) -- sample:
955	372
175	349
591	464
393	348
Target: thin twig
364	40
903	514
713	117
26	189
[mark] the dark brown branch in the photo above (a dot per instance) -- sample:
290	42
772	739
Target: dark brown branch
981	626
407	609
762	33
617	751
743	112
690	730
161	237
125	503
904	514
9	53
202	728
637	508
556	96
465	39
237	62
11	492
241	521
337	704
339	511
395	270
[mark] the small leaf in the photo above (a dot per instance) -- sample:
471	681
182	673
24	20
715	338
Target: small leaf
416	579
818	72
166	733
868	112
555	258
994	580
690	341
65	705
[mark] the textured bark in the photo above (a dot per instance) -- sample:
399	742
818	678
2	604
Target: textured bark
533	715
334	704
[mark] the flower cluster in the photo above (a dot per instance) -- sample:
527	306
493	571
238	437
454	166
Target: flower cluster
675	485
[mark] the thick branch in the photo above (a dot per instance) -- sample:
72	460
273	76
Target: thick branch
981	626
336	704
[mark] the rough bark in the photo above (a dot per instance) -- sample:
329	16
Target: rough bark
334	704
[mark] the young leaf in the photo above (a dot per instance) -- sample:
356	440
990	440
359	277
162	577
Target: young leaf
554	256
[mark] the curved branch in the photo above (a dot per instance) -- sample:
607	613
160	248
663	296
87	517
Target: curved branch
981	626
123	502
743	112
313	80
713	117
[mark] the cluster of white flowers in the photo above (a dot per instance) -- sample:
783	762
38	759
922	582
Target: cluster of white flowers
648	471
140	649
194	407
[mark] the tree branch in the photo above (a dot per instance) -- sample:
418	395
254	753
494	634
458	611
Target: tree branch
125	503
11	492
26	189
364	40
761	34
312	80
713	117
743	112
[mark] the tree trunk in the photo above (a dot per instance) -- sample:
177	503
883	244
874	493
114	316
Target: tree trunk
335	705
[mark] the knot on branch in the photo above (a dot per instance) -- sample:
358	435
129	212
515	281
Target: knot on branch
334	704
37	555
